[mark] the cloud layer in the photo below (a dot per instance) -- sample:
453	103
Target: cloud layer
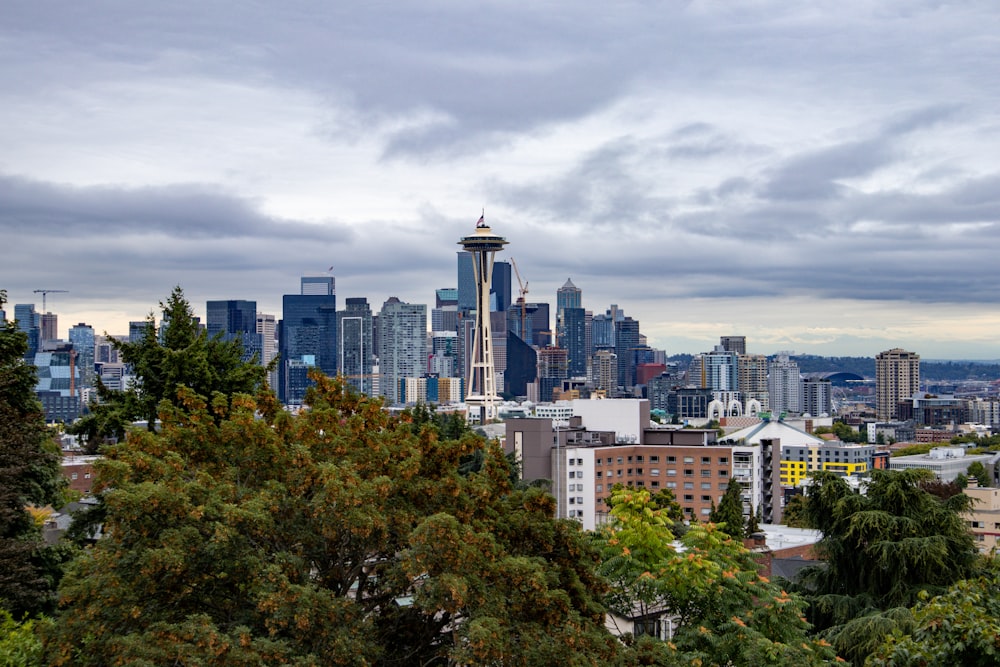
821	178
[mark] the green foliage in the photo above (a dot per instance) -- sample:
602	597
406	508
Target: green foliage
796	512
913	450
959	627
729	513
980	473
163	361
844	432
19	643
337	536
30	475
727	613
882	550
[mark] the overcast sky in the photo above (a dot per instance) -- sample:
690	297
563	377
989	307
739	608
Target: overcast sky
822	177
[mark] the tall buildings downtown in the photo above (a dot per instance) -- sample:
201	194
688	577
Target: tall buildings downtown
477	350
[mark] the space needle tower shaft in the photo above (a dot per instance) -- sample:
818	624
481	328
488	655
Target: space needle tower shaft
481	392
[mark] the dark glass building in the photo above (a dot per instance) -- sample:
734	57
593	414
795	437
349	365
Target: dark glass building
307	338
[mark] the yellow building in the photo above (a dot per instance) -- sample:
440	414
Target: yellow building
984	518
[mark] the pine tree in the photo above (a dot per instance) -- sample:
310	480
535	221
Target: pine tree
730	511
30	474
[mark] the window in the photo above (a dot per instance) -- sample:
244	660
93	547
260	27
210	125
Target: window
723	460
597	474
638	459
579	462
620	460
671	472
579	500
599	488
723	473
73	476
706	460
572	500
630	459
706	485
655	472
638	471
671	459
688	498
86	475
689	472
655	484
572	462
706	511
688	485
640	483
671	485
706	499
654	459
620	472
608	460
706	472
629	472
688	459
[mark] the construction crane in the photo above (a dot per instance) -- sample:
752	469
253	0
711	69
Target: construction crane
46	292
523	290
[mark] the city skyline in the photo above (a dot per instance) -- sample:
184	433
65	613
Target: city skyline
819	178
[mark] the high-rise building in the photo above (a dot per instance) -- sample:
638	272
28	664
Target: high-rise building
137	329
737	344
500	287
897	378
522	365
30	322
719	370
267	329
605	370
626	340
541	324
317	286
482	396
402	345
817	397
58	386
575	340
752	376
49	327
784	385
567	296
84	343
552	370
307	337
236	319
356	336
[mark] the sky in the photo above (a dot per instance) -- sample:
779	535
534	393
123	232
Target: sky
821	177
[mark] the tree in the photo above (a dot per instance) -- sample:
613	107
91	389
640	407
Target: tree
163	360
30	475
959	627
979	472
881	550
795	513
727	613
336	536
729	513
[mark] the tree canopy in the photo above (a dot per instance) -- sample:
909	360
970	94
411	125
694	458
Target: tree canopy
881	551
30	475
336	536
164	359
708	584
729	513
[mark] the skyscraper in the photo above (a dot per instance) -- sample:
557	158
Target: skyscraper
575	340
355	333
267	329
752	376
84	343
402	345
567	296
897	378
737	344
500	281
30	322
307	337
626	340
49	327
481	388
817	397
236	319
784	385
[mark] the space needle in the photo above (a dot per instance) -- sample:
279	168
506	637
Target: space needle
481	391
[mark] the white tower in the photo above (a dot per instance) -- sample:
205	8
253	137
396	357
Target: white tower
481	391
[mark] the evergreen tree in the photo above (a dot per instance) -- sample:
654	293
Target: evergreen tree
881	551
729	513
30	475
163	360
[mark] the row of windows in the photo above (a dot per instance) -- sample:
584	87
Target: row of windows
654	458
655	472
705	486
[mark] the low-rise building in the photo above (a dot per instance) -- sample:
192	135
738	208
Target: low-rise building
984	517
